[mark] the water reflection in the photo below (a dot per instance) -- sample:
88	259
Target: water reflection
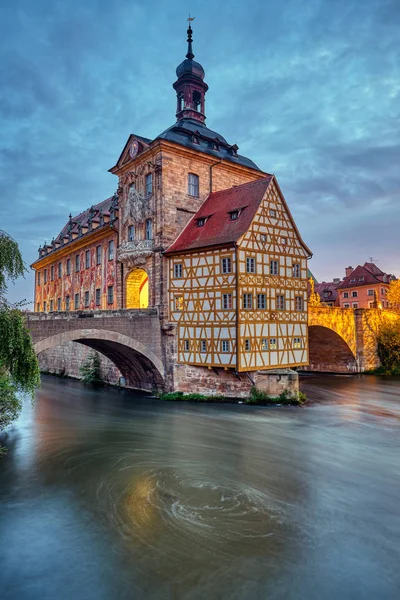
110	495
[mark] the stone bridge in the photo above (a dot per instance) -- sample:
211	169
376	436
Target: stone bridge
131	339
343	340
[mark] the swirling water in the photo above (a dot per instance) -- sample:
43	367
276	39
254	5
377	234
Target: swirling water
110	495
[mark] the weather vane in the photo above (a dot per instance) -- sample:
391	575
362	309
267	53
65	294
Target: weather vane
190	19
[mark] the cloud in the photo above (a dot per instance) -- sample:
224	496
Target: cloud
309	91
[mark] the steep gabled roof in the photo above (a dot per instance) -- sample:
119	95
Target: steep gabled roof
368	274
219	229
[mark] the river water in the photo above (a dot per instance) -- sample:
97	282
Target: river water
110	495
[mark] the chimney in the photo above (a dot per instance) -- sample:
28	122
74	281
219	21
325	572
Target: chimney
349	271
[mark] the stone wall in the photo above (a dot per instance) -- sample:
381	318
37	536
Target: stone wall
220	382
66	360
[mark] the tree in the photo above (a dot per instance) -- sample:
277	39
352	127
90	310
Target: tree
19	369
91	369
393	294
389	349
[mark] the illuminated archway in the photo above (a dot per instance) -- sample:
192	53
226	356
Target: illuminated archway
329	352
137	289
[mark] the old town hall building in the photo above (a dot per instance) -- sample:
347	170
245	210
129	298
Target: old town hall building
198	232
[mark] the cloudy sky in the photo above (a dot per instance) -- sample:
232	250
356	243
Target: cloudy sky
310	90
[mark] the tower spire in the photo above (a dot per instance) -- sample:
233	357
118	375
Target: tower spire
190	54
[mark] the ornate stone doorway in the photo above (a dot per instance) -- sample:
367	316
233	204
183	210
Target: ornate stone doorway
137	289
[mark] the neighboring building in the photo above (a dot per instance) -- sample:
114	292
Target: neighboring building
78	270
187	201
328	292
358	288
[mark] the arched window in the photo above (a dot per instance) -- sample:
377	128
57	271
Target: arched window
180	101
193	185
197	101
149	230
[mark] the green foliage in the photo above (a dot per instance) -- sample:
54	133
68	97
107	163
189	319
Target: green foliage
257	397
389	349
90	370
393	294
11	263
286	397
192	397
19	369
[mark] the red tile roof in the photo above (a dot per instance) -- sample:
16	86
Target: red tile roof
327	291
368	274
219	229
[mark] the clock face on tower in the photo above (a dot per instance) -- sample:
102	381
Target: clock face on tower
133	150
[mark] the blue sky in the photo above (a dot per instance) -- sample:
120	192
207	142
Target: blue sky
309	90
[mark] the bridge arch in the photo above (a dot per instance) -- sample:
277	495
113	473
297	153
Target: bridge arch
138	364
329	351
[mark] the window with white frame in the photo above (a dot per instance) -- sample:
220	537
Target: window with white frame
280	302
261	301
193	185
296	270
273	344
247	301
354	294
178	270
274	267
263	237
272	212
111	250
203	345
370	292
284	241
298	303
149	183
355	304
226	264
346	305
345	294
149	229
224	345
226	301
296	342
250	264
264	344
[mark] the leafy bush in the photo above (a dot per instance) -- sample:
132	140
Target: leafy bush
192	397
90	370
258	396
389	349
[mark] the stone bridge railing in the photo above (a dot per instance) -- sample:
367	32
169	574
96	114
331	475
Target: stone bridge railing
359	328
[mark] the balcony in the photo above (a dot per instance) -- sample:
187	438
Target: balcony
134	253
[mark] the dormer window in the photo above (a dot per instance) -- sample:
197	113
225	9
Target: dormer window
196	138
233	149
234	215
215	145
201	222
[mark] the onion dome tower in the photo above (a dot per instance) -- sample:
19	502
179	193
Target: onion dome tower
190	86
